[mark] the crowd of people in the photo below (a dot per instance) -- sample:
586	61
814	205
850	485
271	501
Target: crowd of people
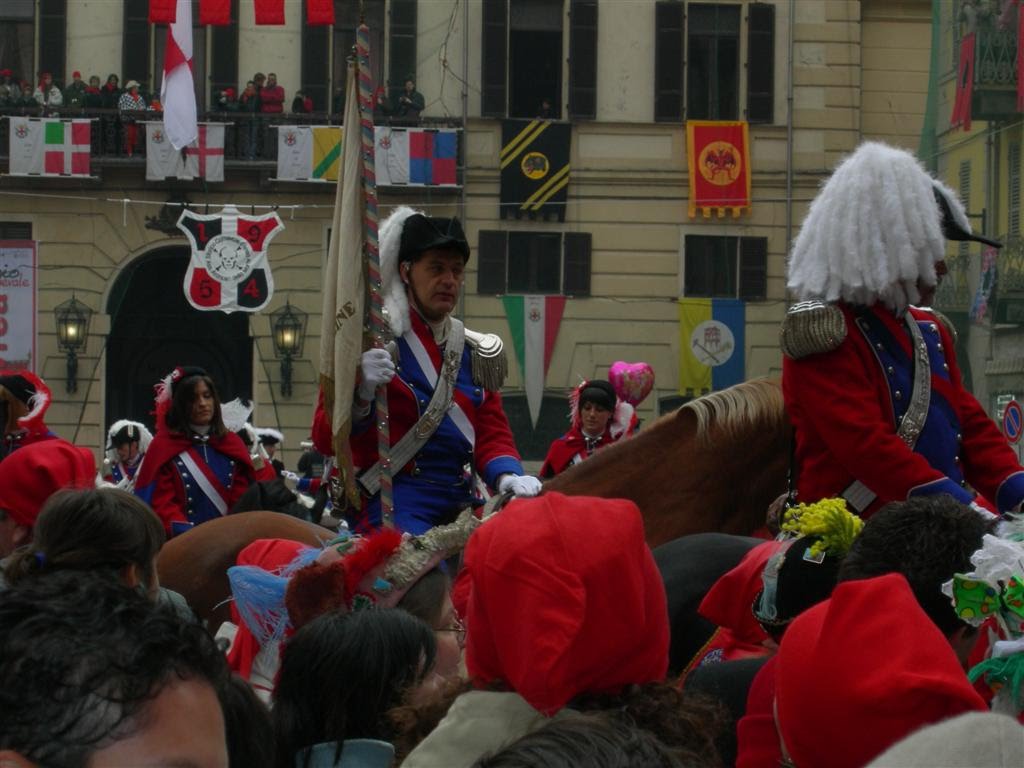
880	622
46	92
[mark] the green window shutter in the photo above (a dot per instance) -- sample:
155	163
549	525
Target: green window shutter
760	63
495	58
753	269
583	59
492	262
576	271
668	61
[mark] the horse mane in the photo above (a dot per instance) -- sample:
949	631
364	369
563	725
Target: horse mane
753	403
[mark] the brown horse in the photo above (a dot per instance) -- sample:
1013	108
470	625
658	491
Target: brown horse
716	464
196	563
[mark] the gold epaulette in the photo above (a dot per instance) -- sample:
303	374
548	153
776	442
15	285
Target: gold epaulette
810	328
490	364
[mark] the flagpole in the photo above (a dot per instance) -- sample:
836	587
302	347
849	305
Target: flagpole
378	322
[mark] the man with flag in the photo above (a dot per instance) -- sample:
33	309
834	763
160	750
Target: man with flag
446	420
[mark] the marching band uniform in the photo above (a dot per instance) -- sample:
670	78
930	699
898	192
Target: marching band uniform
871	384
25	398
468	437
191	478
576	445
121	432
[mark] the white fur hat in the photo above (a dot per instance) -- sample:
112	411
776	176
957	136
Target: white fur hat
873	231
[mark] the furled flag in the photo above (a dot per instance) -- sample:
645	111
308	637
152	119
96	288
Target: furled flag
49	147
162	11
718	160
215	12
202	159
319	12
308	153
416	156
344	289
534	322
711	344
177	91
960	117
269	11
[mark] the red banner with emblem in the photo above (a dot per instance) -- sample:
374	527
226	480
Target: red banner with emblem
718	159
961	116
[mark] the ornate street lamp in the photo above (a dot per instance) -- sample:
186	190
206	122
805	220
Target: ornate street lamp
288	327
72	318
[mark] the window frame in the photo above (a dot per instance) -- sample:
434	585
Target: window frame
575	259
759	243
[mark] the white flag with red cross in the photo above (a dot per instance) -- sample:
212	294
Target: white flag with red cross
202	159
229	270
49	147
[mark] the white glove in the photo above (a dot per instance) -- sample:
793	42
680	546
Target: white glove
377	368
291	480
520	485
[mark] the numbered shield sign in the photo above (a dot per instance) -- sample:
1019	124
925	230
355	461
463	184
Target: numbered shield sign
229	270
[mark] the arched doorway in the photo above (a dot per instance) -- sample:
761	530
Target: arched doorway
153	328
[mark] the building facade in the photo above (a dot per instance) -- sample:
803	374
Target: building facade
812	77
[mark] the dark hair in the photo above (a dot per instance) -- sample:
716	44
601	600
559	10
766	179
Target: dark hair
89	530
595	741
927	540
181	405
425	598
342	672
81	657
247	725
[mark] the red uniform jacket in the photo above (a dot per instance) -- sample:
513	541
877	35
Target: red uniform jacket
571	448
845	405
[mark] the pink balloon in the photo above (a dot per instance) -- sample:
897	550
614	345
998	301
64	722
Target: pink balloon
632	381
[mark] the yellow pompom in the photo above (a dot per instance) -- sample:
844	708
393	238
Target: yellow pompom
829	520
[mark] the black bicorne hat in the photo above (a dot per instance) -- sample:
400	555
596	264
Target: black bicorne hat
600	392
421	233
952	230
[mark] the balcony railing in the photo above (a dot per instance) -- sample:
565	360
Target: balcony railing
995	58
247	137
954	292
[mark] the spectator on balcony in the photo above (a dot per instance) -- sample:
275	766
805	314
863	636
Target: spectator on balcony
93	95
258	80
27	99
249	105
111	91
9	88
227	101
410	102
47	94
74	94
272	96
131	101
302	104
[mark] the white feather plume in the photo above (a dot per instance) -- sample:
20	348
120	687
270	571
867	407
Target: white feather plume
235	414
145	436
396	303
872	232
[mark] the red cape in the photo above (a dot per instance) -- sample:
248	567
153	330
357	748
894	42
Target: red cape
166	445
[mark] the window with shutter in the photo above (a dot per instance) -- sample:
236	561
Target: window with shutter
668	61
534	262
713	62
15	230
1013	224
492	262
224	56
710	267
135	43
583	59
53	18
576	272
753	268
760	62
17	38
494	56
401	47
316	42
535	59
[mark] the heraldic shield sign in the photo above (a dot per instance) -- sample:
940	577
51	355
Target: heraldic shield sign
229	270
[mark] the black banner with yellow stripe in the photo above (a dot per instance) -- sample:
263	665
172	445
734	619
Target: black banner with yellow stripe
534	168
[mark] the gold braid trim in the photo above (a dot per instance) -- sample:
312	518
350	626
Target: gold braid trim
810	328
490	363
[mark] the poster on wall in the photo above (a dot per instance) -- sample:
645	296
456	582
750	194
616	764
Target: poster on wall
17	305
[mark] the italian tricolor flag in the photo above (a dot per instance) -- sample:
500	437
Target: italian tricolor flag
66	145
534	322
